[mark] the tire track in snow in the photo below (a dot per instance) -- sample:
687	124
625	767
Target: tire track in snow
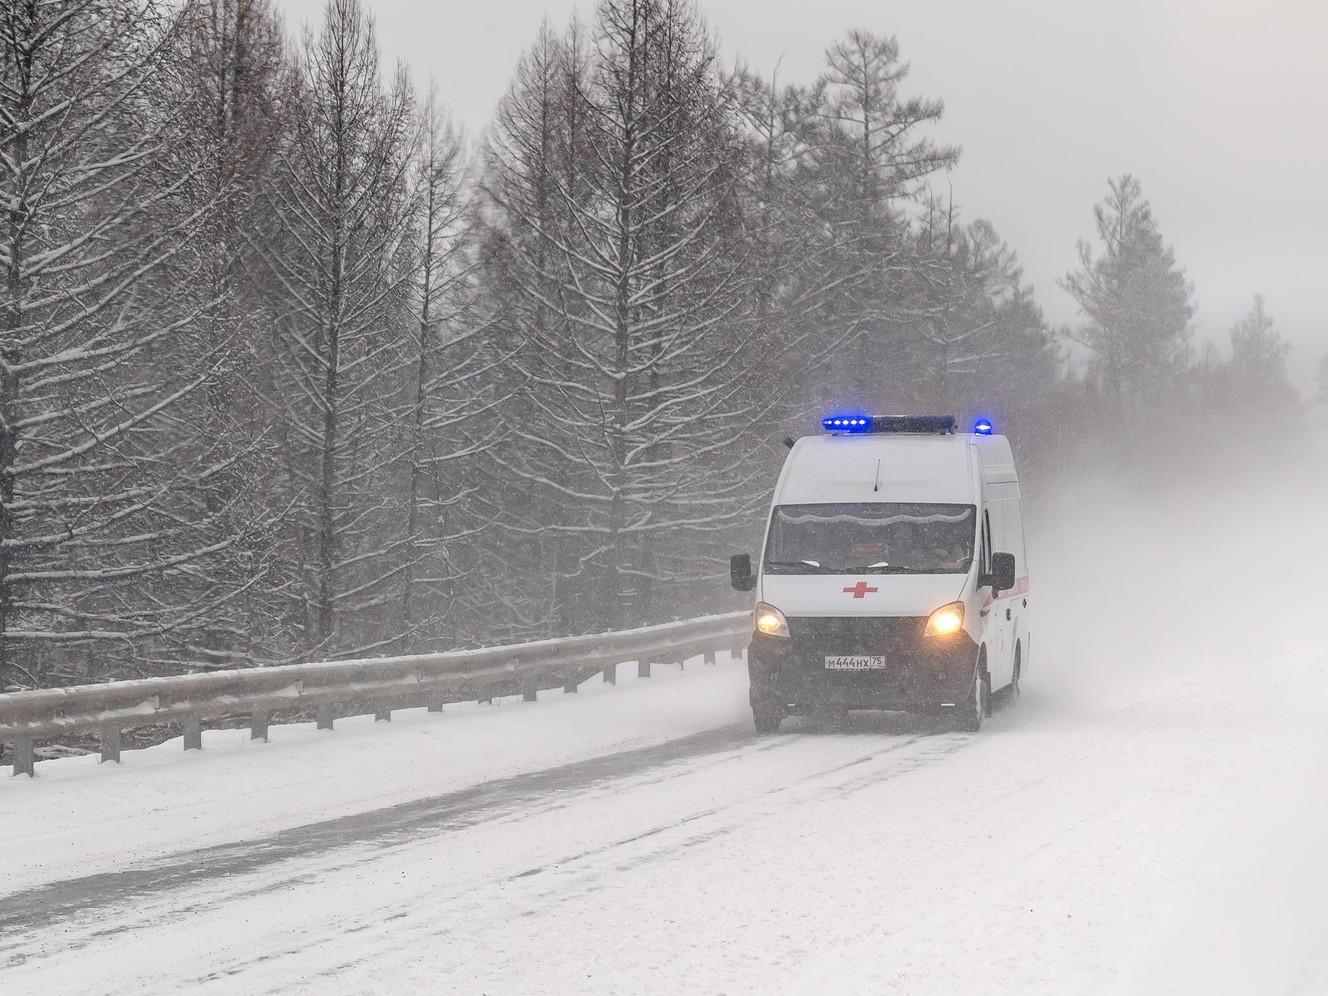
54	904
464	807
93	910
582	873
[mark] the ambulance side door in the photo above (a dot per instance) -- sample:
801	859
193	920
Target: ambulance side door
989	610
999	621
1018	603
1006	536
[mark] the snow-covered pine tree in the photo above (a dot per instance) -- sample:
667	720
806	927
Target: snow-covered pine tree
949	304
231	77
337	247
529	175
978	339
869	159
97	491
457	388
642	283
1257	372
1136	306
789	252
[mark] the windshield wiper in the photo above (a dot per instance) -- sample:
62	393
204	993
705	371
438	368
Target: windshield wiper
801	566
905	570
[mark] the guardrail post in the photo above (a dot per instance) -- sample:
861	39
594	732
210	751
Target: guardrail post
323	719
382	714
529	691
710	658
643	669
570	684
258	726
737	653
110	744
435	705
682	664
610	674
24	757
193	733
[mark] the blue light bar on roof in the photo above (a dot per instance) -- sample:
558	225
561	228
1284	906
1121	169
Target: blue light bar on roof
923	424
847	423
983	427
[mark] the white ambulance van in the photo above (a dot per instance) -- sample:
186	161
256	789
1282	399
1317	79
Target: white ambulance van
893	574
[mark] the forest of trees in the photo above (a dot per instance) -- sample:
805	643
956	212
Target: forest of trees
290	370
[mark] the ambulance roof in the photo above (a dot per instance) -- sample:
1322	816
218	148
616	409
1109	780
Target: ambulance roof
913	467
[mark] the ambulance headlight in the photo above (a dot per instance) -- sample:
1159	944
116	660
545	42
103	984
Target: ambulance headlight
770	621
946	621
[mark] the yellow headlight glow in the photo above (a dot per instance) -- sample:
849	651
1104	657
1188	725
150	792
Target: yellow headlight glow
947	620
770	621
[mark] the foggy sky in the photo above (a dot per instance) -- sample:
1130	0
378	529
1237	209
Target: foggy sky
1220	107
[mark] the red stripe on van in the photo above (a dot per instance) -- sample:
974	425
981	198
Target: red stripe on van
1020	588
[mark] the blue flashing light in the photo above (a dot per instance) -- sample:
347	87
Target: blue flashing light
983	427
847	423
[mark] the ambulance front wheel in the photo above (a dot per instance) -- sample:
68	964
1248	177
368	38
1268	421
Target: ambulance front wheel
1012	693
970	714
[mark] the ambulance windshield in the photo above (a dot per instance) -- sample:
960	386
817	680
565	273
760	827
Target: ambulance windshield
876	537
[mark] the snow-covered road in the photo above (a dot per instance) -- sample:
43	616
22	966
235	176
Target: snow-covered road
1149	819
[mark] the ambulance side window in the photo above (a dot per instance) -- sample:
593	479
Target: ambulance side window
986	541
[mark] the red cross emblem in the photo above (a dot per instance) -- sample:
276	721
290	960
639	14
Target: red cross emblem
860	590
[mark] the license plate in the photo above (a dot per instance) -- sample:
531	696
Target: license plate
854	663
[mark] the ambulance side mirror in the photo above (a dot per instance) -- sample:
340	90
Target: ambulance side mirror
740	572
1002	572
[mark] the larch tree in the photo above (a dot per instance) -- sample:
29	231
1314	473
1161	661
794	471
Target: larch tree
660	319
452	405
1135	302
977	339
531	160
1258	379
95	484
791	253
232	81
336	243
632	269
949	304
871	159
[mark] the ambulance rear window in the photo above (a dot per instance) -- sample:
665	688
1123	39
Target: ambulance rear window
871	537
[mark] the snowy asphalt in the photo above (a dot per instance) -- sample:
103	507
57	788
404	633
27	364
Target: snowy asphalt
89	912
36	908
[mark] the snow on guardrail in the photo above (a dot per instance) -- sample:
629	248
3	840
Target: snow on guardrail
388	682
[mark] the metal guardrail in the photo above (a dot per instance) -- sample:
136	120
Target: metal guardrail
388	682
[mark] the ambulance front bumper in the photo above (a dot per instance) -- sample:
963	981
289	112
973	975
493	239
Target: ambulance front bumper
909	671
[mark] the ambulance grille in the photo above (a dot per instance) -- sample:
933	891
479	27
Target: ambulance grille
813	637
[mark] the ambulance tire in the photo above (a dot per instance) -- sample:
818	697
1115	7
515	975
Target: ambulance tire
766	716
1012	692
969	715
